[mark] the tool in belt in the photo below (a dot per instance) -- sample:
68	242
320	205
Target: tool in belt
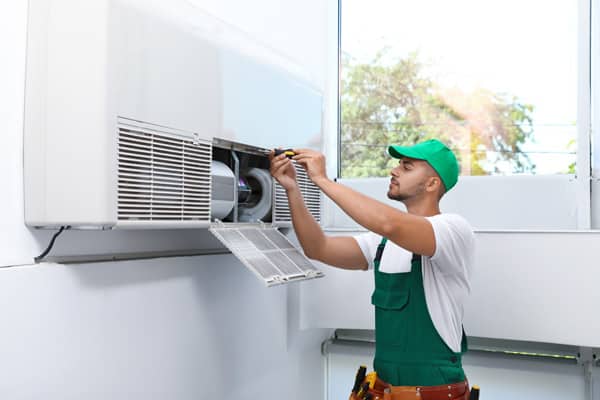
370	387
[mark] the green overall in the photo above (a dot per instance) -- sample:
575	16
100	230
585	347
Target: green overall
408	349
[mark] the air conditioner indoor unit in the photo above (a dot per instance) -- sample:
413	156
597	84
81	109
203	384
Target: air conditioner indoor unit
155	115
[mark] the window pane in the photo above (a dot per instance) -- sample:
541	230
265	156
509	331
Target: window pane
495	80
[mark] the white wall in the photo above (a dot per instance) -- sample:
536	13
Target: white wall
520	202
180	328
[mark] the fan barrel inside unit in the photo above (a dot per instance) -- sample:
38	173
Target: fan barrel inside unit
255	193
223	190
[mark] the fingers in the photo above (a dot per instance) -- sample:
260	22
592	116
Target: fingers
279	159
303	151
300	154
302	157
277	167
272	153
306	159
302	162
279	164
307	153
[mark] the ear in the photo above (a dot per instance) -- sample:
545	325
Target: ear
433	184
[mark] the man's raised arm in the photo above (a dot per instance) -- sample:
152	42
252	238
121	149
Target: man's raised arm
341	252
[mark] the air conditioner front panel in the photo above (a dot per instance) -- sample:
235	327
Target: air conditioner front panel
69	158
266	252
166	73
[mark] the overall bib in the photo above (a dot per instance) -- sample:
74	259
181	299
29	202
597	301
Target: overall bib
408	349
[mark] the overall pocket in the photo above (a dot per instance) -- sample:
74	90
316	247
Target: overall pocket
390	299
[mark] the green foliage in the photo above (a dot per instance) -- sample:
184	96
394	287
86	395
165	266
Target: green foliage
572	168
393	102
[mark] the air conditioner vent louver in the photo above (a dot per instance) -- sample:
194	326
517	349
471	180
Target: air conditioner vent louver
162	177
310	192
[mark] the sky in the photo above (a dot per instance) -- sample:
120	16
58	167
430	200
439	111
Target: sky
527	48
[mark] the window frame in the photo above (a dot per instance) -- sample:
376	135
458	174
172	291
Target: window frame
587	176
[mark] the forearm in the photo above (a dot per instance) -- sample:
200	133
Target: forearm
371	214
410	231
309	233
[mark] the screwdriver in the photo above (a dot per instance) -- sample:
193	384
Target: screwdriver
289	153
363	390
474	393
360	376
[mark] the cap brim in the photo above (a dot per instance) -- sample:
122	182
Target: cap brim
401	151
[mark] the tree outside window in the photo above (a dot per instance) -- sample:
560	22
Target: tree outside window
392	98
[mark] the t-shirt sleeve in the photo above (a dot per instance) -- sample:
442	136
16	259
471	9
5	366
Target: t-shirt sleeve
368	245
454	244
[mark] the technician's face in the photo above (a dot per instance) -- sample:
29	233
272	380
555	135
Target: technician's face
408	179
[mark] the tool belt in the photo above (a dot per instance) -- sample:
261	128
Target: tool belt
384	391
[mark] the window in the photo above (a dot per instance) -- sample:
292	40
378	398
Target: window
496	80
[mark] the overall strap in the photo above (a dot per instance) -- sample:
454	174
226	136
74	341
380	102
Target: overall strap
379	252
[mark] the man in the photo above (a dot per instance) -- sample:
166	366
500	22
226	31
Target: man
422	260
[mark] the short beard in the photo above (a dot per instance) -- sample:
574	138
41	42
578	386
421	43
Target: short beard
398	197
402	197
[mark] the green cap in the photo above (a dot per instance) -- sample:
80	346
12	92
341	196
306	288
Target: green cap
436	153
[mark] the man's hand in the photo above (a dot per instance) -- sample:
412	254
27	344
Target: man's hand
283	170
313	162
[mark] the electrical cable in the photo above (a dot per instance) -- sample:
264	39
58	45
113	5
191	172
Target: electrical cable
45	252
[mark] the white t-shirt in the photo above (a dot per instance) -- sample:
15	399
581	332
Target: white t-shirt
446	274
